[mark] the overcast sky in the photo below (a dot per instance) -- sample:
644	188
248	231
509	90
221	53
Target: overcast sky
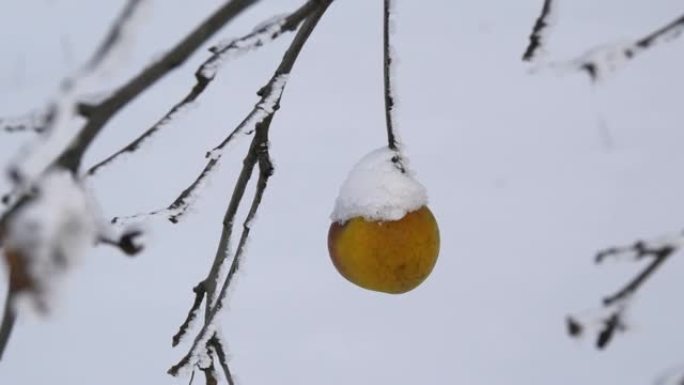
528	174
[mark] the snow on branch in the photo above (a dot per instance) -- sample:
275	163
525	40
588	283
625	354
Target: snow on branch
19	222
42	238
602	60
205	343
265	108
260	36
101	113
614	306
540	30
66	105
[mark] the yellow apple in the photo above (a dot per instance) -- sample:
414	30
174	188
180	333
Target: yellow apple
388	256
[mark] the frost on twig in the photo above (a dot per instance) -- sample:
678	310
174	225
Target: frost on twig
265	33
265	107
602	60
44	236
67	103
540	31
207	343
614	306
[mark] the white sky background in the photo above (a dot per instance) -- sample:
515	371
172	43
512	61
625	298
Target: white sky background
521	176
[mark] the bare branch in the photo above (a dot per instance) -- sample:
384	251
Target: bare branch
628	290
206	73
537	36
615	305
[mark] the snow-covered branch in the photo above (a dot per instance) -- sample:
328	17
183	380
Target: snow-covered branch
205	74
100	114
614	306
257	156
602	60
539	31
49	222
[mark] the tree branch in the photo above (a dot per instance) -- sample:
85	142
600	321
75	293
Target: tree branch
115	35
257	154
604	59
71	158
205	74
200	291
100	114
537	36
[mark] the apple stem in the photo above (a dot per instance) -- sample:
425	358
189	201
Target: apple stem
387	64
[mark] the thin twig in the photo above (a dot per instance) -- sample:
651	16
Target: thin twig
205	74
616	304
608	58
36	121
200	292
537	35
659	257
71	157
210	375
115	35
